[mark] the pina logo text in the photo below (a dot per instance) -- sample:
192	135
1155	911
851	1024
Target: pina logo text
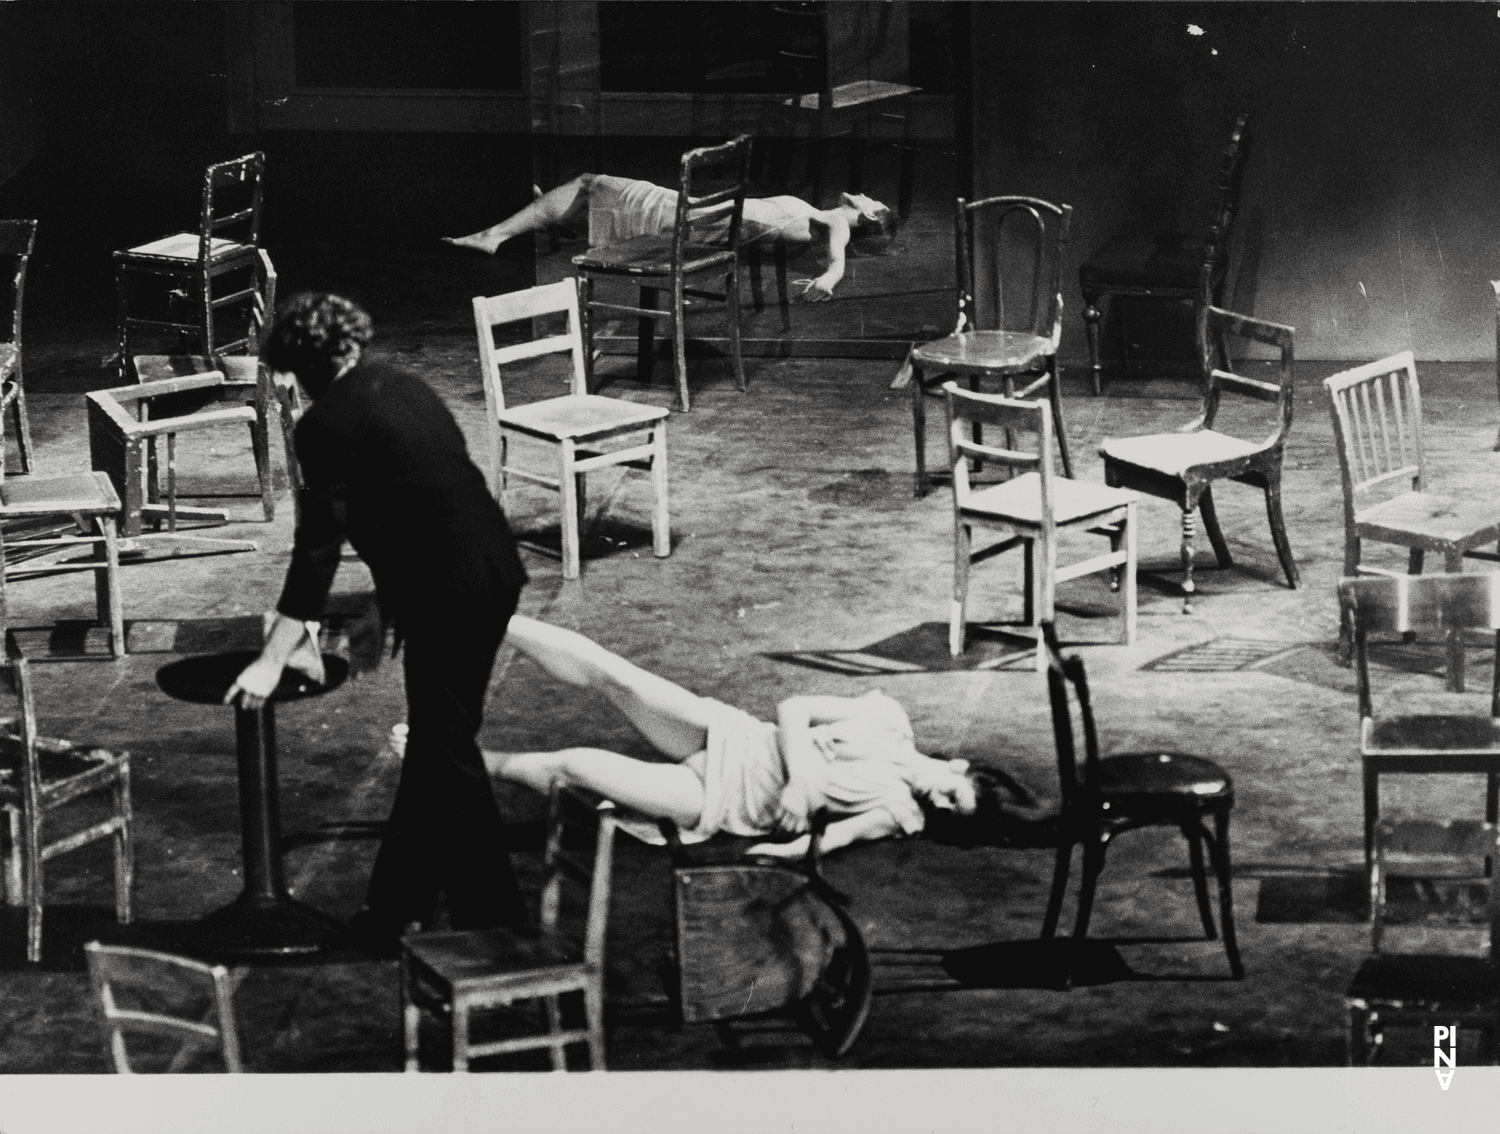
1442	1058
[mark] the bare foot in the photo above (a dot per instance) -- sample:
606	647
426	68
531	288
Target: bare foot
476	241
494	762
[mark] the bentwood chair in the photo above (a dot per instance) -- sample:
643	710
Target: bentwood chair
1030	510
1448	867
186	1003
458	975
200	274
40	778
17	240
704	243
574	425
1404	737
1107	796
1009	256
1164	267
1183	466
1377	423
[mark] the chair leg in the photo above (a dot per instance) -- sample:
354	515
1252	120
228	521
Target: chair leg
963	539
1091	319
411	1019
919	428
1028	583
553	1012
586	327
460	1036
732	292
1062	864
124	849
1362	1043
31	882
1218	849
1215	533
1372	813
1188	586
1278	532
15	886
110	606
23	425
661	521
1093	866
260	449
1054	393
679	342
593	1006
1128	600
1044	605
567	483
1453	564
1351	569
1194	836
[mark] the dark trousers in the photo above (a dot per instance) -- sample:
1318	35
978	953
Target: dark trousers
445	834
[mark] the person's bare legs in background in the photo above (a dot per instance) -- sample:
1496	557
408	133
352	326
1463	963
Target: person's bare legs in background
565	206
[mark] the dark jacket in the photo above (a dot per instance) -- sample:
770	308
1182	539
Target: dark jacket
384	465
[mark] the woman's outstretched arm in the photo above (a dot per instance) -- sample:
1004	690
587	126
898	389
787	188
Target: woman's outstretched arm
820	290
876	824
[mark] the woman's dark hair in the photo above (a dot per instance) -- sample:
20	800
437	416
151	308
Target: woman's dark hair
874	231
1007	815
313	336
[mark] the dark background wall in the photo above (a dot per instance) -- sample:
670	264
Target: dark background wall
1370	218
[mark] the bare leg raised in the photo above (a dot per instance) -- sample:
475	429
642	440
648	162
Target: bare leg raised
564	205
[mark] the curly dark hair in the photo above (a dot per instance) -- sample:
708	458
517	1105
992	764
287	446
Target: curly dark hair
875	232
1007	815
314	335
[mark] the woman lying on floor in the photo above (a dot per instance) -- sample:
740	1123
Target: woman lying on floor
728	772
620	208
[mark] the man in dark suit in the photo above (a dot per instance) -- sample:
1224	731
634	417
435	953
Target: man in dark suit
384	465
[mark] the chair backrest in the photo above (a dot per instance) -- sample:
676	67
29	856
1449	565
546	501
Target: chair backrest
1216	328
1430	850
1018	419
1226	201
17	239
534	303
579	854
711	218
1445	604
231	200
15	677
1377	425
1068	691
144	991
1009	259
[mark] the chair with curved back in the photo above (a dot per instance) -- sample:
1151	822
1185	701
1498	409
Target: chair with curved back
1009	314
1183	466
17	240
1103	797
704	242
1164	267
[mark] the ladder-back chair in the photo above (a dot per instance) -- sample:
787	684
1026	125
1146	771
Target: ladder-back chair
17	241
177	999
1009	312
574	424
704	242
1182	466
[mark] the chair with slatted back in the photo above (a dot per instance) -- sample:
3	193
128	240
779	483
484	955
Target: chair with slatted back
187	1003
1164	267
1009	312
41	780
1030	511
1436	878
704	242
459	975
199	276
1398	733
1377	424
586	431
1183	466
17	240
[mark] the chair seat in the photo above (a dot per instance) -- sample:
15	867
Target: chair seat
1466	520
861	92
1433	734
998	352
1168	261
89	492
579	416
1175	453
498	960
1132	776
61	765
238	369
650	256
1020	500
1425	983
183	246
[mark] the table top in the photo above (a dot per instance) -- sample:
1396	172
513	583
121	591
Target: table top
205	679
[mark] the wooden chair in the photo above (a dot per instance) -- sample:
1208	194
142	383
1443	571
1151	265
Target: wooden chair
458	974
17	239
190	266
1183	466
1110	795
1377	424
89	506
1403	742
176	998
1009	323
39	778
1164	267
1031	509
575	423
1446	862
705	241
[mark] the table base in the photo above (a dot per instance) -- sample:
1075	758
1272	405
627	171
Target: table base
265	927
